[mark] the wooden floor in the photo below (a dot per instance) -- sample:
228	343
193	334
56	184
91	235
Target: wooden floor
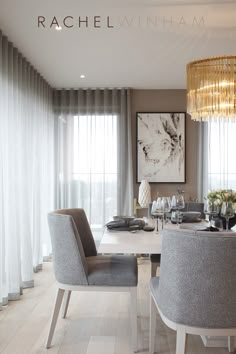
97	323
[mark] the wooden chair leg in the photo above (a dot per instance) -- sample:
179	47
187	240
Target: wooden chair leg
65	304
181	341
133	313
231	344
57	306
152	329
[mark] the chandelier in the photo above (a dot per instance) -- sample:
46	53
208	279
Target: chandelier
211	88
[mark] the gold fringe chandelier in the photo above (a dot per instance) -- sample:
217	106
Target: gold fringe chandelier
211	88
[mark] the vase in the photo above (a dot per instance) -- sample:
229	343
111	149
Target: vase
144	194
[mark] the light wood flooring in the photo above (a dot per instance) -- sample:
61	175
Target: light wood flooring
97	323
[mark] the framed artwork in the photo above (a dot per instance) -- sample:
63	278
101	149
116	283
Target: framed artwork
161	147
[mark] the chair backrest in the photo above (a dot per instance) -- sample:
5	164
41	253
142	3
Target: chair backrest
71	239
198	278
195	206
83	228
189	206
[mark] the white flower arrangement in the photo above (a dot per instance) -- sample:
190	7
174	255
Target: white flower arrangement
218	196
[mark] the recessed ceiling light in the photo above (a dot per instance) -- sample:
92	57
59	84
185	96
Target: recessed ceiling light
82	76
58	28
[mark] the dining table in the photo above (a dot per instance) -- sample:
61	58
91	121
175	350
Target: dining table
134	242
139	241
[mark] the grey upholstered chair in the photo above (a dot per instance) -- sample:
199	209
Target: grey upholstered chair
196	291
156	258
77	265
195	206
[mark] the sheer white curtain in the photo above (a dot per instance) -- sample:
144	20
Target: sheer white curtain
216	158
26	170
94	152
221	153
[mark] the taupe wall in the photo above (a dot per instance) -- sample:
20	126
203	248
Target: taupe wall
167	101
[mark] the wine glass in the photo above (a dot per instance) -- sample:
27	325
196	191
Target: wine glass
159	210
212	210
174	213
166	205
177	203
154	205
227	211
180	202
180	206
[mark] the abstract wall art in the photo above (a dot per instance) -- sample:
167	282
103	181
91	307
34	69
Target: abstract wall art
161	147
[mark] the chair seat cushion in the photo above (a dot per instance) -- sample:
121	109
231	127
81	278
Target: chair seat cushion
155	258
112	270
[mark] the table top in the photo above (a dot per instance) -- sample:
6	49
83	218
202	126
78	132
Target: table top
130	242
137	242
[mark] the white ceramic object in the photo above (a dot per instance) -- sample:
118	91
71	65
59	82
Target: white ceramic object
144	195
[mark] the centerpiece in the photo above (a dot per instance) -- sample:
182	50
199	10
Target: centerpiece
218	196
221	203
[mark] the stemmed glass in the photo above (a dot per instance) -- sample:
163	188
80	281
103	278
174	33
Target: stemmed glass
159	210
154	206
212	210
166	205
227	211
160	207
177	203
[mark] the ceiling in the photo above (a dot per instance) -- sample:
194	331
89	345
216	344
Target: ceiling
147	46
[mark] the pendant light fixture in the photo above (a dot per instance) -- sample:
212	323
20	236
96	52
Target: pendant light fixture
211	88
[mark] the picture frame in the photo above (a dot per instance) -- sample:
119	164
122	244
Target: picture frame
161	147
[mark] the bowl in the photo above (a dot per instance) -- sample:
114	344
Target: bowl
120	217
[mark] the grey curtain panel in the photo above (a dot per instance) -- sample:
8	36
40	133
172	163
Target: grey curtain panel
94	106
26	170
202	162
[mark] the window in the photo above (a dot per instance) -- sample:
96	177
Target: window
94	167
221	155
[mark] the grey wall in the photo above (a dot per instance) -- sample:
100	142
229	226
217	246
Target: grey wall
167	101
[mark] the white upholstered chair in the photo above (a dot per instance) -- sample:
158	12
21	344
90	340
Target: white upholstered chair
78	267
196	291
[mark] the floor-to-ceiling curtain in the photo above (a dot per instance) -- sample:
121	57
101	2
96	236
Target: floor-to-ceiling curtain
26	170
94	163
216	163
221	154
202	161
